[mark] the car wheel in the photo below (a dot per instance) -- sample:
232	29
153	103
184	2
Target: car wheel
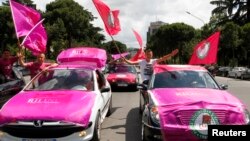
141	106
97	129
143	133
242	77
110	107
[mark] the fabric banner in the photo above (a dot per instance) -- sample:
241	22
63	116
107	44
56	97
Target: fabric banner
118	56
24	18
36	40
205	52
139	55
110	18
138	37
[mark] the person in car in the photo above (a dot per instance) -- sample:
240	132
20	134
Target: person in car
6	63
146	64
36	66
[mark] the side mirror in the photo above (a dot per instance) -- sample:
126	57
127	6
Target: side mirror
223	87
145	82
105	89
142	87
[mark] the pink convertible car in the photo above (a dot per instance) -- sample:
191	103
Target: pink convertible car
180	101
64	103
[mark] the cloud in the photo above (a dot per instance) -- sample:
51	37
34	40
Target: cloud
138	14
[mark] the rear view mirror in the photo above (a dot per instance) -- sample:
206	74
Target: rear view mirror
105	89
223	87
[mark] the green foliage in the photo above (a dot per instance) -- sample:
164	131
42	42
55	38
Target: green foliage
69	23
172	36
230	41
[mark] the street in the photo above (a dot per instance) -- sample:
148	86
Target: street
124	123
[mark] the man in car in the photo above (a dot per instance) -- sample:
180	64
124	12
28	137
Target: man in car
6	63
146	64
37	66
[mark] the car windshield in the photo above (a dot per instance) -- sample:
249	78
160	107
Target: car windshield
63	79
184	79
124	68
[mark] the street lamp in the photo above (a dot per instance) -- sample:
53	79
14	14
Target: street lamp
196	17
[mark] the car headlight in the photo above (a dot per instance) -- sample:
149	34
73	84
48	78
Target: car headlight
247	116
155	115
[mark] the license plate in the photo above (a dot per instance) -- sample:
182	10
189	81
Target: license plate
122	85
38	139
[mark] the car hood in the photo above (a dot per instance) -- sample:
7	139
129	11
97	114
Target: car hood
191	108
67	106
183	96
121	76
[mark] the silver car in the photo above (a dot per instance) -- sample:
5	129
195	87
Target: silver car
236	72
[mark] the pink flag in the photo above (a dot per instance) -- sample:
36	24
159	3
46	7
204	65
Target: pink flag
36	40
24	18
139	55
110	18
118	56
205	52
138	37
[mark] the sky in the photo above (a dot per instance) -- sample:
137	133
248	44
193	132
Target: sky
138	14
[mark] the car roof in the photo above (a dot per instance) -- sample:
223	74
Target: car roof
73	66
163	68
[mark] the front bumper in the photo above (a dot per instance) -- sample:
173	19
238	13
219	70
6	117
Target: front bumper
52	133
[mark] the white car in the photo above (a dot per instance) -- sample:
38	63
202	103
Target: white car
63	103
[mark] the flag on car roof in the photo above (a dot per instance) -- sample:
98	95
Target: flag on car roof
140	53
36	40
110	18
24	18
138	37
205	52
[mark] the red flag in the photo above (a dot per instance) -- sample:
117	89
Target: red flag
205	52
24	18
36	40
139	55
138	37
110	18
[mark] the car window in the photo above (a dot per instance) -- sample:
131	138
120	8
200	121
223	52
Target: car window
125	68
66	79
183	79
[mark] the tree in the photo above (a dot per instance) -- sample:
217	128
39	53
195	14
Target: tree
76	21
237	11
171	36
230	41
245	46
7	34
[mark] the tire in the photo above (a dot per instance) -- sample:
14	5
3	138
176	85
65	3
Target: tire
242	77
140	106
110	107
97	128
143	133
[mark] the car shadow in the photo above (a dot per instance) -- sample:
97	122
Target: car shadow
133	125
115	89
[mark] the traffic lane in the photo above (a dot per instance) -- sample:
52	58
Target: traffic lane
124	124
237	87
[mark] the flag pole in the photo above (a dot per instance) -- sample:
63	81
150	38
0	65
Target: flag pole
18	40
31	31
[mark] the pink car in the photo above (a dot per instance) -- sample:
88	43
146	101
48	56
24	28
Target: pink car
180	101
123	75
63	103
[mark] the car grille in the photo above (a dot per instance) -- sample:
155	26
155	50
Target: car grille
51	131
185	116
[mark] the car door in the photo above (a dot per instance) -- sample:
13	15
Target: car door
102	83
